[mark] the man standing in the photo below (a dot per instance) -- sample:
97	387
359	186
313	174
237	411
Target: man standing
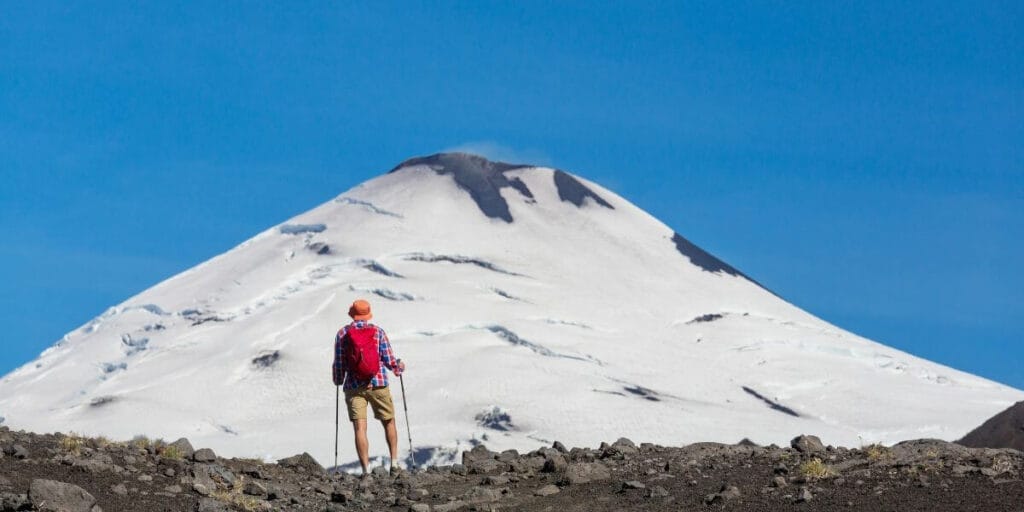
362	356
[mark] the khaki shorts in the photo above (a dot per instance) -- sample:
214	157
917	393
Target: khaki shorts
379	399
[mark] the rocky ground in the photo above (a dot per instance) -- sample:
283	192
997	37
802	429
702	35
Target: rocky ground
59	472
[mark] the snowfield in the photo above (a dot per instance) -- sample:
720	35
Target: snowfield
530	306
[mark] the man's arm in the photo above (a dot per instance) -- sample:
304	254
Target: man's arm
338	368
387	355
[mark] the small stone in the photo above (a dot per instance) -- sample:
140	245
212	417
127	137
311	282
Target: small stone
274	493
804	495
204	455
253	488
119	489
169	472
173	489
478	495
419	507
496	480
342	496
211	505
779	482
459	469
657	492
633	484
417	494
730	492
201	489
560	447
547	490
379	472
145	478
451	506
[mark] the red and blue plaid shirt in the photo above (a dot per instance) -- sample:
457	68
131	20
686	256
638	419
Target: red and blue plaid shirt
388	361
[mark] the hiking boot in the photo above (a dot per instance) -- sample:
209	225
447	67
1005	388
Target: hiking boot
397	471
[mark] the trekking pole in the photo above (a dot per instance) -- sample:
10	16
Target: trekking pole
337	416
405	405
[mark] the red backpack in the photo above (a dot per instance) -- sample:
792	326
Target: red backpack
362	353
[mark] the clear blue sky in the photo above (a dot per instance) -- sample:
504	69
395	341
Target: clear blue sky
863	160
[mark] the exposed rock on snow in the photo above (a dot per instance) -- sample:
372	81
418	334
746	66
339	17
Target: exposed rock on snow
267	359
458	260
570	189
495	418
301	229
770	403
481	178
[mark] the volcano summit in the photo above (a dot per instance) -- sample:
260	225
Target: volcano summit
529	304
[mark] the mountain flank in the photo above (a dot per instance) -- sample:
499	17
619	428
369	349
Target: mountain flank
1004	430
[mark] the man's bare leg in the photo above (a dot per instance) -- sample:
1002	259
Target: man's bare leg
391	433
362	444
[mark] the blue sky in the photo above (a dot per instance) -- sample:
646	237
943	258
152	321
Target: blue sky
863	160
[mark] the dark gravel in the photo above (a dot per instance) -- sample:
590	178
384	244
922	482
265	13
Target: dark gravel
143	476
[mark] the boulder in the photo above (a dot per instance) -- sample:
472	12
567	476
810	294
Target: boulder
302	461
584	472
478	453
204	455
54	496
555	464
807	444
184	447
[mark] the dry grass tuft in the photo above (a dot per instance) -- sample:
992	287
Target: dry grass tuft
72	443
878	453
815	469
236	499
172	452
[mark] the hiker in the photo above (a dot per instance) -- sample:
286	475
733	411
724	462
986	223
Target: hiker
362	356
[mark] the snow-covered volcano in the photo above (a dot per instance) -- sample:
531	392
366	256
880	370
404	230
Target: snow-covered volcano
530	305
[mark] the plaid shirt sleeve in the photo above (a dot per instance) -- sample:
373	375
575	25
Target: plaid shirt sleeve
387	355
338	368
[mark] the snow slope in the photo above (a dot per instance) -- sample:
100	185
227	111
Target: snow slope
530	306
